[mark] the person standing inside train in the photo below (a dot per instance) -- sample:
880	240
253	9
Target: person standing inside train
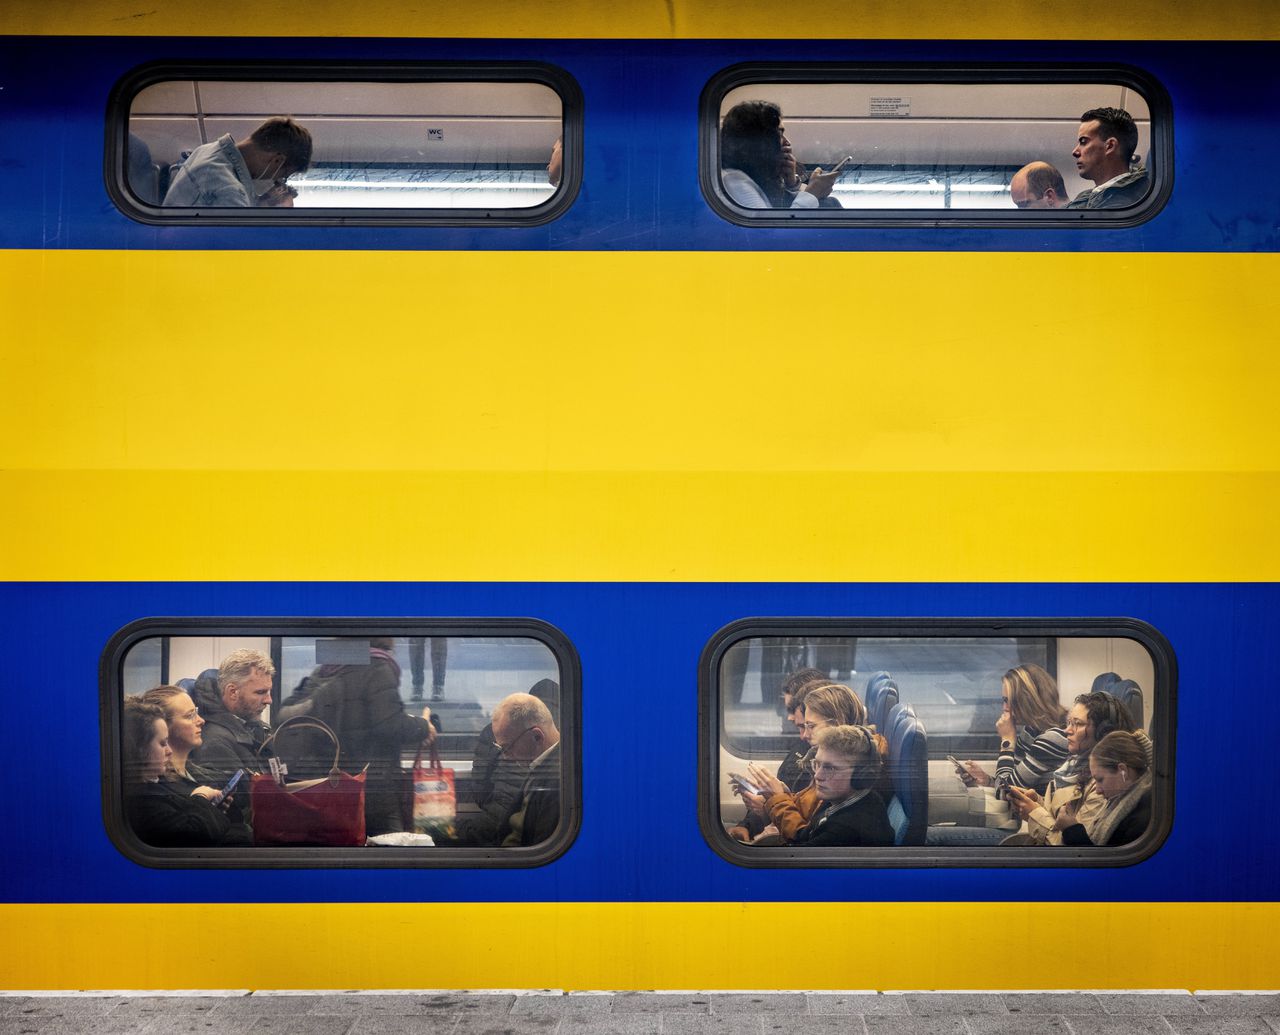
231	702
757	167
1038	185
1106	147
228	173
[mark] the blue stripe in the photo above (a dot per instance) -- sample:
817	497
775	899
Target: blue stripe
640	165
639	646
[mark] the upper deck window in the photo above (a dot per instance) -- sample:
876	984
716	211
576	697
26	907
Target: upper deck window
975	147
493	144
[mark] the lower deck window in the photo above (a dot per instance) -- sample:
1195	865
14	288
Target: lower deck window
382	746
882	745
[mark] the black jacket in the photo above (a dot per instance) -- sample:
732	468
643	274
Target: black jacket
863	822
538	814
168	816
229	742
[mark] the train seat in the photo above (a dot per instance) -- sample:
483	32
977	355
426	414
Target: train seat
144	174
882	696
909	770
1126	691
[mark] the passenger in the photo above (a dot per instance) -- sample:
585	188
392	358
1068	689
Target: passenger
496	781
1038	185
1106	146
1072	796
418	666
825	707
555	166
361	704
1122	774
793	774
846	768
758	168
524	731
237	174
1033	740
231	703
161	813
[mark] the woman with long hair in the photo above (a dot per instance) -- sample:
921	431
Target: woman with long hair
161	812
1032	729
825	707
758	169
1121	771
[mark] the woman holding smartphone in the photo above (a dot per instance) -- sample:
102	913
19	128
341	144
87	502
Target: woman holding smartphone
824	708
1032	729
161	812
758	169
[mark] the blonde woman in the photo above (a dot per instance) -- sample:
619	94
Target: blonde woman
824	708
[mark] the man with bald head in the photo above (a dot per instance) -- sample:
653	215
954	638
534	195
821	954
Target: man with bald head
524	731
1038	185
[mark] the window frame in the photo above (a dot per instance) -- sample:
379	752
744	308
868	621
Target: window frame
1163	705
115	156
897	73
111	696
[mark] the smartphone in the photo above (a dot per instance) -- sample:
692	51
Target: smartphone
743	783
958	764
230	787
841	164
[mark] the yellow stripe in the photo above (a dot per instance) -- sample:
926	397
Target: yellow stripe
646	416
628	946
680	19
702	526
571	361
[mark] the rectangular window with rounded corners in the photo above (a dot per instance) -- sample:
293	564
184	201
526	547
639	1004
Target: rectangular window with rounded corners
321	143
886	742
260	742
982	146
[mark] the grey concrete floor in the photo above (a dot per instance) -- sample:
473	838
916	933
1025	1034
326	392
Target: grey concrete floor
645	1013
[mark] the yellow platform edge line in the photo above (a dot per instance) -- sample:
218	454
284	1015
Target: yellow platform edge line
646	19
583	946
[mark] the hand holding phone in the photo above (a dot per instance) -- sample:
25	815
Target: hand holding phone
230	787
741	783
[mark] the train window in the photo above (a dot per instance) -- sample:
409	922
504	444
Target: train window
907	742
876	146
316	143
324	743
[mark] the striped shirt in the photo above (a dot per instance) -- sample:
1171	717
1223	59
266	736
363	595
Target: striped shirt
1034	757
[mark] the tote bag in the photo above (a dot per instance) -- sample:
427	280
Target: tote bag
327	811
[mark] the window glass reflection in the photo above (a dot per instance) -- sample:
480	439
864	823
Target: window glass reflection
196	144
944	146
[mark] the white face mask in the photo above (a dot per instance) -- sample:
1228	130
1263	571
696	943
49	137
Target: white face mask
267	179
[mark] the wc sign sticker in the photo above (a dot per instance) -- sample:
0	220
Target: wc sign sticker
436	134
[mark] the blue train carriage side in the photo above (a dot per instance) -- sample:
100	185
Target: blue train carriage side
634	436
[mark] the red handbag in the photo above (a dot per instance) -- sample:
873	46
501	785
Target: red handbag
327	811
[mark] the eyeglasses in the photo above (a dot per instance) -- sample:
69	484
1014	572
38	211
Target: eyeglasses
504	750
811	726
821	768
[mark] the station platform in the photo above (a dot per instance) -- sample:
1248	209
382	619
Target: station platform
641	1013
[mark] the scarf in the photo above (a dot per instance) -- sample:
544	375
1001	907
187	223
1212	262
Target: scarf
1118	809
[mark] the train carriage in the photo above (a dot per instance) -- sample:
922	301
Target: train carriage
610	426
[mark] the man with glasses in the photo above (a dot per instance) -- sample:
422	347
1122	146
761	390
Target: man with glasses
524	731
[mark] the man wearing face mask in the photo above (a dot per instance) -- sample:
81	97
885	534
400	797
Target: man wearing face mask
235	174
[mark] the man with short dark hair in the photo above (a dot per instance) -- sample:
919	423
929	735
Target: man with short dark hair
232	710
242	174
1038	185
1106	145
